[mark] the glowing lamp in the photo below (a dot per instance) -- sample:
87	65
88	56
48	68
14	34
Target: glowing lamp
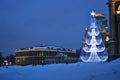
107	38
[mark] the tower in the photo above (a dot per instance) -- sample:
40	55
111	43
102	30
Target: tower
114	15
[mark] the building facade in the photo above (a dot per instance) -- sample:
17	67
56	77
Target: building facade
114	15
44	55
103	27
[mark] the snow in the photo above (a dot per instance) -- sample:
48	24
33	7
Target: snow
75	71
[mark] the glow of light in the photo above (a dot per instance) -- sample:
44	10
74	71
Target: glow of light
18	60
92	13
107	38
93	50
118	11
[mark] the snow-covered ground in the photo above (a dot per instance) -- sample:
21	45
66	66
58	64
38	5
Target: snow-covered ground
75	71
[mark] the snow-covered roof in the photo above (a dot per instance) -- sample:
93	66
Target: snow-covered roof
44	47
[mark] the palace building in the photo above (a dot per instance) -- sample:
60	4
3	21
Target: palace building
103	27
45	55
114	42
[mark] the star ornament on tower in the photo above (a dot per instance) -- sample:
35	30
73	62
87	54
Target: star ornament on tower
92	13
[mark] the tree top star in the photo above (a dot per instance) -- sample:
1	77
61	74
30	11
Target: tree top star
92	13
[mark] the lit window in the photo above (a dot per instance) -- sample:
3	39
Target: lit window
107	38
118	11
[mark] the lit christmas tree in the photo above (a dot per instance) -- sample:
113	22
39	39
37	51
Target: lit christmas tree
94	49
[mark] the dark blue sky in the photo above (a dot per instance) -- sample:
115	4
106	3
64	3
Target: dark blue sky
25	23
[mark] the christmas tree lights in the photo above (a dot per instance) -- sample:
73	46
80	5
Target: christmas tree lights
94	49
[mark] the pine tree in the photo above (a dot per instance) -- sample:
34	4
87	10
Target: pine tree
94	49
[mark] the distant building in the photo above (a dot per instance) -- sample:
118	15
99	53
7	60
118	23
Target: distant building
45	55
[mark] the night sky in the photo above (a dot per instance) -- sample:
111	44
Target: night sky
25	23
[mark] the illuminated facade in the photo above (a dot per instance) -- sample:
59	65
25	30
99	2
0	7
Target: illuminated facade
114	43
103	27
44	55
